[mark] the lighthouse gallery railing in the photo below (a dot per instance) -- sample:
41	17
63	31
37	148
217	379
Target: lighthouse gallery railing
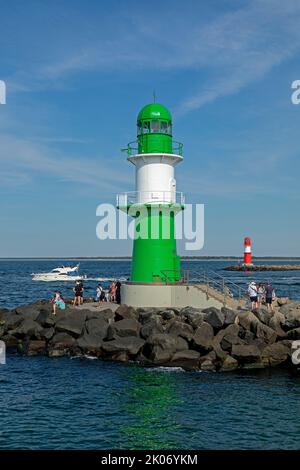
132	148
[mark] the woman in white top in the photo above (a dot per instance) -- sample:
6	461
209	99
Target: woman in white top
252	291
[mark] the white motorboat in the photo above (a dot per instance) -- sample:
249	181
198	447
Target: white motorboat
63	273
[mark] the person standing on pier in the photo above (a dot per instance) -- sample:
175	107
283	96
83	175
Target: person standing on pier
260	294
118	292
270	295
78	291
252	291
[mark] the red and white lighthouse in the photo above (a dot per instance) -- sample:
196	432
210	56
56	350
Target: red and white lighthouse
247	251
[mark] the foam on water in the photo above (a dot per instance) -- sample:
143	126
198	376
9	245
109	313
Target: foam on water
164	369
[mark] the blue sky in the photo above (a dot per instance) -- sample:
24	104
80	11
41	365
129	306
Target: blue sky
77	74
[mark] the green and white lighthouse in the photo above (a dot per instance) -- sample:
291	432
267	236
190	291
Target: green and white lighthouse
155	202
155	279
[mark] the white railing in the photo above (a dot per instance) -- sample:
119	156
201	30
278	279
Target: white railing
150	197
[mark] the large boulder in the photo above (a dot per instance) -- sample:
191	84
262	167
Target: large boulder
214	317
247	320
106	314
161	347
208	363
11	320
275	323
229	364
124	312
90	343
62	341
72	323
263	315
45	318
276	353
131	345
145	315
265	333
203	337
187	359
292	319
35	347
127	327
152	326
229	337
282	301
62	344
293	334
31	311
246	353
192	316
230	316
289	307
47	333
167	341
97	327
28	328
167	314
11	342
178	328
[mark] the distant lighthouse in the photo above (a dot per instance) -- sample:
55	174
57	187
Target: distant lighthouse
247	252
154	258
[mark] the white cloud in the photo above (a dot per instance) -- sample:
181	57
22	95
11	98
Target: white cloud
21	160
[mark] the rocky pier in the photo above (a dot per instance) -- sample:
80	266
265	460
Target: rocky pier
210	339
263	267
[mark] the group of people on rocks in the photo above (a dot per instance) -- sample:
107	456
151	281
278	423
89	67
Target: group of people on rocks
113	294
260	293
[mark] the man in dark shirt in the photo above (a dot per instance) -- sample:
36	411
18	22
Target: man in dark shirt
270	294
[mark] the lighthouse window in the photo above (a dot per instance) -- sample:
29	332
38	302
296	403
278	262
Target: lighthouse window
155	126
139	128
169	128
146	127
163	127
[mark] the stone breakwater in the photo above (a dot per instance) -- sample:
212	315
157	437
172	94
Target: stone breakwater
263	267
209	339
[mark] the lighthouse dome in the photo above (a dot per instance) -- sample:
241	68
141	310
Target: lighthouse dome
154	111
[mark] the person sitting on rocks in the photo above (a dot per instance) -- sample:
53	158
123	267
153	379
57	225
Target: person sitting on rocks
270	296
58	301
252	291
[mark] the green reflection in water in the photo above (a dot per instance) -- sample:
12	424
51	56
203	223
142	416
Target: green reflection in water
150	407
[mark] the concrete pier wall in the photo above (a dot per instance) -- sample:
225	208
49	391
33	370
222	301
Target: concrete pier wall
177	296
